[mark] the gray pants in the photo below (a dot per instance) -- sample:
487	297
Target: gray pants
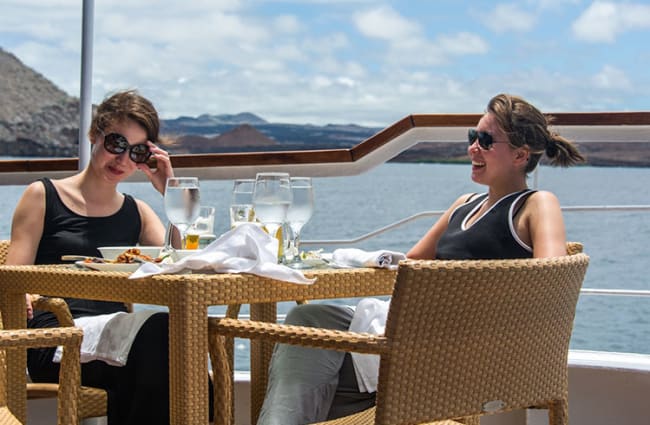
309	385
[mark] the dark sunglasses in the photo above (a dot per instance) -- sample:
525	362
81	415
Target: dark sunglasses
485	140
116	144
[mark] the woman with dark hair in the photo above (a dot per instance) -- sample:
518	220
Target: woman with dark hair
77	214
508	221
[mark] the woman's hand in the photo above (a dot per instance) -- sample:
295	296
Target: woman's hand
30	308
163	171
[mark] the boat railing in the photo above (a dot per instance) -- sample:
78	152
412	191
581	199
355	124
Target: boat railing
437	213
589	127
636	293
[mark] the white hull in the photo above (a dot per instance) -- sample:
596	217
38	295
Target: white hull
604	389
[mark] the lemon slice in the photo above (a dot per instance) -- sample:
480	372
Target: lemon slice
278	236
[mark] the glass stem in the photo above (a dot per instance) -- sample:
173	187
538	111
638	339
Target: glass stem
168	237
296	248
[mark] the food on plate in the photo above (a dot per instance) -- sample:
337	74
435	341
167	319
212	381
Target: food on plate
311	255
134	255
131	255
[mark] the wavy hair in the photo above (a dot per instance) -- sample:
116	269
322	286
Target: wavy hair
525	125
123	106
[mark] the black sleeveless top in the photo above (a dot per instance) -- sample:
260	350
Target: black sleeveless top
491	236
66	232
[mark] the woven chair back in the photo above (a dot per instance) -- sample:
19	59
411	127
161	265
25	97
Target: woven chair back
4	249
471	337
573	248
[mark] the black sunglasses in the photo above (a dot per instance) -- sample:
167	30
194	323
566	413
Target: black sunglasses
485	140
116	144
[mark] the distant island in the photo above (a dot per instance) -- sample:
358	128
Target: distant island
39	119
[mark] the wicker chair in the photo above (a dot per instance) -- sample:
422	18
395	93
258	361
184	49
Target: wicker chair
463	339
573	248
92	401
69	377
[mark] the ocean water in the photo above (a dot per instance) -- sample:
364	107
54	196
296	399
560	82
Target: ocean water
348	207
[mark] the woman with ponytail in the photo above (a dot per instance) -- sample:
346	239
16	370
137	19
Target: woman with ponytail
508	221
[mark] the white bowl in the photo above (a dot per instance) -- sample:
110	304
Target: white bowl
179	254
111	252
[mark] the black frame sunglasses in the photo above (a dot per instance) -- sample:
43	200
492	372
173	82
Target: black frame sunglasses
116	144
485	140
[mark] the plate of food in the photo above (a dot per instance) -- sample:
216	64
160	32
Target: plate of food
315	258
118	259
108	267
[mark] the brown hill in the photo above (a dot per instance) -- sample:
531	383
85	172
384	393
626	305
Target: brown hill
244	136
36	117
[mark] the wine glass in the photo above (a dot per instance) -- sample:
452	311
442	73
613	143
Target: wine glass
271	199
299	213
241	204
182	203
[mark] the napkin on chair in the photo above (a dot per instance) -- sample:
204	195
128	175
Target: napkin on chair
244	249
353	257
369	317
108	337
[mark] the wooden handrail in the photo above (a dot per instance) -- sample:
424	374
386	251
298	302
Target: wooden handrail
398	130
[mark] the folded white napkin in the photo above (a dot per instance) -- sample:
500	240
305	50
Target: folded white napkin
108	337
353	257
244	249
369	317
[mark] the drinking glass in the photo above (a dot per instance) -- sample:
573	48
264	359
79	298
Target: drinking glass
202	228
182	202
241	204
299	213
271	199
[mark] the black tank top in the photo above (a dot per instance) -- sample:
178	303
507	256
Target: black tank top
66	232
492	236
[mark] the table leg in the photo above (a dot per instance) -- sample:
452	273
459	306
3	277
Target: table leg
260	358
188	368
14	316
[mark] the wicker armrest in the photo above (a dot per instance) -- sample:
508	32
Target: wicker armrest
55	305
46	337
300	335
69	375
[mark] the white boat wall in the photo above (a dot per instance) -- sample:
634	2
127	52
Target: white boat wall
604	389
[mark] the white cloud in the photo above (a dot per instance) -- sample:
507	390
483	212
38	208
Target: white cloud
386	24
334	66
611	78
287	24
509	17
553	4
603	21
463	43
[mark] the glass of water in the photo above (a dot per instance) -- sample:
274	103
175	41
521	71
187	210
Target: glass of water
241	204
182	203
299	213
271	199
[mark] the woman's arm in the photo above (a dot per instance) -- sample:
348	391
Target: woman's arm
153	231
27	225
26	231
425	248
543	218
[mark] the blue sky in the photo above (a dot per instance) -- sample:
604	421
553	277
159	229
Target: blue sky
368	62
